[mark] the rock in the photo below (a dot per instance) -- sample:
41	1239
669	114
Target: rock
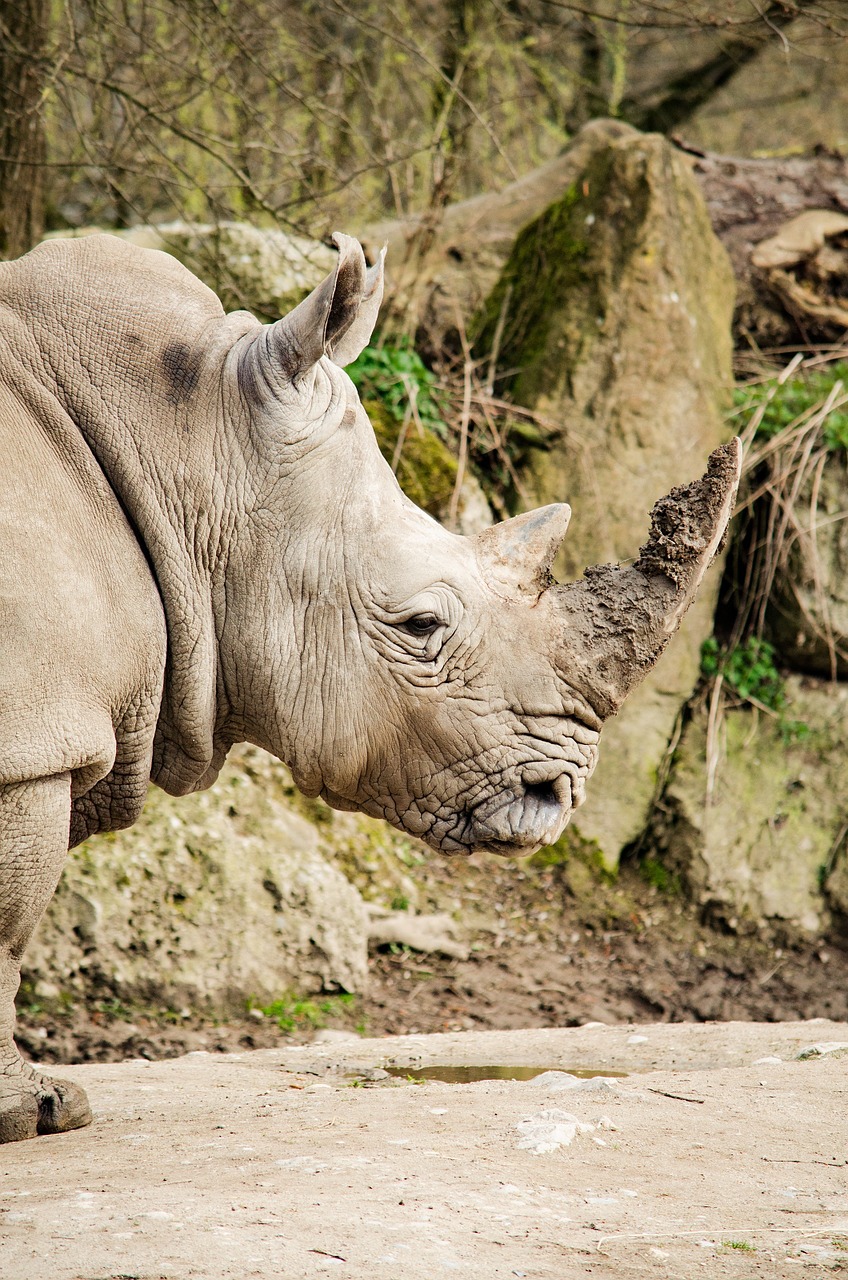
822	1049
212	898
261	269
807	616
769	844
436	932
438	270
614	312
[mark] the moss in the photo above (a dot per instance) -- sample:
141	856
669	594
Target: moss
551	289
426	470
656	873
572	847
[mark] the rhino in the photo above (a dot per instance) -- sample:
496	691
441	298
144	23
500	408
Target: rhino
201	544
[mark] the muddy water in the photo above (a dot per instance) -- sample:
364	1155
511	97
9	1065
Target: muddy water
473	1074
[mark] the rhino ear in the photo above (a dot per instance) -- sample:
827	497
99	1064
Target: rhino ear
319	325
515	556
344	349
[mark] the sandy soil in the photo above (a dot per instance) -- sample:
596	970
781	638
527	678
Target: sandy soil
721	1153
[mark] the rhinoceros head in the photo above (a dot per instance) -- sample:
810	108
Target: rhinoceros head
445	683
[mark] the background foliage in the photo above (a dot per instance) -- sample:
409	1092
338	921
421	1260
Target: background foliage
119	111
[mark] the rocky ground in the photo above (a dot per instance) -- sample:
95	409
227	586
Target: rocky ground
714	1151
592	952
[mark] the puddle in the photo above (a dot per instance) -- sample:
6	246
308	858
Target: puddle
473	1074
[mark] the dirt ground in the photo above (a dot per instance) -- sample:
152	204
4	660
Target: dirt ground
721	1153
591	952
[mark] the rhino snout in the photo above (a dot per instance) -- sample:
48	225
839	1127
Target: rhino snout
521	820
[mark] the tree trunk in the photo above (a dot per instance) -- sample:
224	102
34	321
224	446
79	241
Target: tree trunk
23	39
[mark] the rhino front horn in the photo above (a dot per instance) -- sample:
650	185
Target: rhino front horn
616	621
515	556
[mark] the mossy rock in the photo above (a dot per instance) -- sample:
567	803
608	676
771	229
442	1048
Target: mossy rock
208	900
426	470
765	840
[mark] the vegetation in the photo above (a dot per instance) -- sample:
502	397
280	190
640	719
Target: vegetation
298	1013
656	873
776	406
748	669
399	379
122	111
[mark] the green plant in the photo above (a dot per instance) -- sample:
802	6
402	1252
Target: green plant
400	902
781	405
655	873
742	1245
749	669
397	376
115	1010
293	1013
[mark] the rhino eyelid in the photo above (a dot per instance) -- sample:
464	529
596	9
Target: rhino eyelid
421	624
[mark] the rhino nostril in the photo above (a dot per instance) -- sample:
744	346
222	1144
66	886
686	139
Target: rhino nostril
544	793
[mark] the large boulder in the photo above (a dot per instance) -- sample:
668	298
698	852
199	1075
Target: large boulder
613	314
755	821
209	900
442	267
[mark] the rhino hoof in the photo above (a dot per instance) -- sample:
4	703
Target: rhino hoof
46	1106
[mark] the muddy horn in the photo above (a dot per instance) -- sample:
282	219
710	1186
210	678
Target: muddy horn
617	620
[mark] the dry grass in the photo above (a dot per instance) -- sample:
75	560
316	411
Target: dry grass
779	508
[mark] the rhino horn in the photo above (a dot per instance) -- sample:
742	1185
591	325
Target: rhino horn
515	556
616	621
336	319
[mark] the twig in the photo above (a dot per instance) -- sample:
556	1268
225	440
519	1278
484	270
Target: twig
489	384
678	1097
467	371
828	1164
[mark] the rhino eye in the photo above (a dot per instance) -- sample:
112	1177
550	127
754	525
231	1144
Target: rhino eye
421	624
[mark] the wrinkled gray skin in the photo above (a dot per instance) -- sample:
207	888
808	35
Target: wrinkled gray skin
200	544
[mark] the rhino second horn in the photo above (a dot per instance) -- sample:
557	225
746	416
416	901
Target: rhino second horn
319	323
515	556
616	621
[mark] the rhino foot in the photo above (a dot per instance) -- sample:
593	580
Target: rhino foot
31	1104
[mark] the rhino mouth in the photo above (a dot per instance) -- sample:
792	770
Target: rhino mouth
521	820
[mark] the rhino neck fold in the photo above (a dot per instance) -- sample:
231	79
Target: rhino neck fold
173	501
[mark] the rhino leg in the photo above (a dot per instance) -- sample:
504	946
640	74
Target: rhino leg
34	820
